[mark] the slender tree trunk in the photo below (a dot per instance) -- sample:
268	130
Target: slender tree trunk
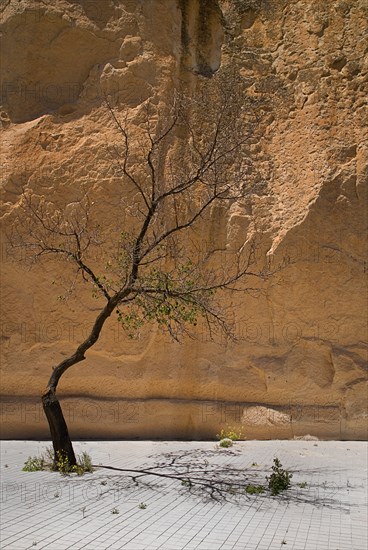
59	430
51	406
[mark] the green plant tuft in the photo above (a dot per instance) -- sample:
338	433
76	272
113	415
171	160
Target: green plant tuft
62	463
230	433
302	485
186	482
280	478
85	462
226	443
254	489
34	464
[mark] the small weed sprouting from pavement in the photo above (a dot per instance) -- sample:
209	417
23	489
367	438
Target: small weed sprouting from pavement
62	463
34	464
226	443
142	506
280	478
186	482
115	511
302	485
230	433
85	462
254	489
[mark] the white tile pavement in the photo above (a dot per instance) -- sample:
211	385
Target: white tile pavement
44	510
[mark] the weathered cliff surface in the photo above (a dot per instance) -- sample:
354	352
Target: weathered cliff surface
301	365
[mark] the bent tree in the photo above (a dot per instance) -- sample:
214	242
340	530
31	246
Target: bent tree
174	166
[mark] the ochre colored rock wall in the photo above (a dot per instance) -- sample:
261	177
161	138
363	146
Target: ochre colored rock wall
300	366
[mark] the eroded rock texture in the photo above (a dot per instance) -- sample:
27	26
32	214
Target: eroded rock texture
301	366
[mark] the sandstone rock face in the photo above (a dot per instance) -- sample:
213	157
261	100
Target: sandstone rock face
300	366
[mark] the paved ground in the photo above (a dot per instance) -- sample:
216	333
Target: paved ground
107	510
